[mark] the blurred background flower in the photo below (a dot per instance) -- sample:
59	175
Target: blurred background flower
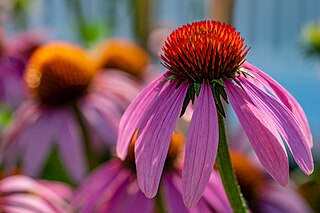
68	111
113	187
14	55
23	194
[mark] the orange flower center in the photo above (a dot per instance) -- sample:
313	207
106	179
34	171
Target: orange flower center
59	73
204	50
123	55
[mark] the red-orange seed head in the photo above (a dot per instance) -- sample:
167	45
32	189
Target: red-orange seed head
58	73
204	50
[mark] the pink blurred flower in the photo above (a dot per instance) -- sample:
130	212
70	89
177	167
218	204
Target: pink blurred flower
262	194
113	188
123	55
71	105
14	55
22	194
207	60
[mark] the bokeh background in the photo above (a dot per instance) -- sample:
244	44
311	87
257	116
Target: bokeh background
273	29
276	31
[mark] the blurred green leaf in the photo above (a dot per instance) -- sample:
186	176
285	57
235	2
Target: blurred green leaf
5	115
91	32
54	169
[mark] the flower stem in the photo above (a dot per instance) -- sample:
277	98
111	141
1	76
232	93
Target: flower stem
160	207
228	177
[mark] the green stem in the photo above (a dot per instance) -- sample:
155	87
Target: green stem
228	177
160	207
91	157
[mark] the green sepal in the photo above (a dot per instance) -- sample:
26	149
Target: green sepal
171	77
218	81
185	104
217	88
218	102
190	96
222	93
197	87
192	92
245	72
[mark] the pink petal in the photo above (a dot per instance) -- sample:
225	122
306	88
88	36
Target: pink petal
61	189
70	146
201	147
23	119
215	194
103	116
173	195
155	131
29	202
129	196
16	209
286	123
24	184
261	133
99	178
119	86
41	135
101	198
284	96
129	121
277	199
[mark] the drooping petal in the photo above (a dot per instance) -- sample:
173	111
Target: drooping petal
16	209
28	202
39	134
215	194
23	184
261	132
63	190
153	140
277	199
103	116
284	96
92	187
129	196
130	119
201	147
70	146
173	194
23	118
117	86
286	123
101	199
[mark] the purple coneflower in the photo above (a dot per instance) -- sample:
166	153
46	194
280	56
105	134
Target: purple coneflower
113	187
70	104
206	61
22	194
14	55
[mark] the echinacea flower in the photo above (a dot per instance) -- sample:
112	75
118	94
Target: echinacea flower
121	54
262	194
113	187
71	107
206	61
14	54
23	194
